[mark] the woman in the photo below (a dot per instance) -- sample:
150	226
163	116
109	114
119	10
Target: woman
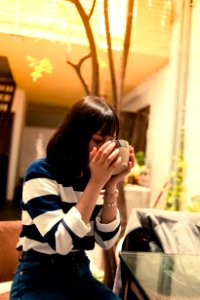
62	213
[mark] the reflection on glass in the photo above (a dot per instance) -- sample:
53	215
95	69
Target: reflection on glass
162	276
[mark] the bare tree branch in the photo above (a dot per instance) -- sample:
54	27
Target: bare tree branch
77	68
110	57
92	9
125	53
120	86
95	66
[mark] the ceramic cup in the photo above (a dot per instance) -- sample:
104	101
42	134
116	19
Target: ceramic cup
124	152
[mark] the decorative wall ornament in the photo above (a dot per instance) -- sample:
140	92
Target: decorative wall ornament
39	67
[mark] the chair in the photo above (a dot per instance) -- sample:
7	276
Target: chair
152	230
9	234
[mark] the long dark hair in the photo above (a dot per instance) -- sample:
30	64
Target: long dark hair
67	150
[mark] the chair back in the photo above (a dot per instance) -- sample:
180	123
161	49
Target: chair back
173	231
154	230
9	235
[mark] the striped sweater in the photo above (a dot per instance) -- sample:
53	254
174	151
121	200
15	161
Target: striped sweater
51	222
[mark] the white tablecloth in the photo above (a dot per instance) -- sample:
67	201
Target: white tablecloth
136	197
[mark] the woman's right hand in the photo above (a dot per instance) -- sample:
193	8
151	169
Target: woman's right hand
103	161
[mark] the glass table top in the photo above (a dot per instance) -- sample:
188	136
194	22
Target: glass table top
162	276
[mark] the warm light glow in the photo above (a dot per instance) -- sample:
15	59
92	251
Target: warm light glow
59	21
39	67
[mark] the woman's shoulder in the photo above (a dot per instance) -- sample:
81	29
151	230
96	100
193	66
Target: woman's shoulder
39	168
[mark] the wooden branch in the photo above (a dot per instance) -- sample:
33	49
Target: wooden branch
110	57
125	53
92	9
120	85
77	68
89	33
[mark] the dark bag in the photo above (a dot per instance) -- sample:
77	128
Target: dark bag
141	239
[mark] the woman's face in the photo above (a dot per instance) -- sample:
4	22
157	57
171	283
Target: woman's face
97	140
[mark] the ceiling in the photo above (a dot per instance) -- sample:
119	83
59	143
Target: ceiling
62	87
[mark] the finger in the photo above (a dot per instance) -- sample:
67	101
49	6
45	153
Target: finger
113	156
105	145
131	150
124	173
132	154
132	159
92	153
115	164
105	150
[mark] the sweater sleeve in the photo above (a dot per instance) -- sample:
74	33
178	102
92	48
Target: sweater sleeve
106	235
45	221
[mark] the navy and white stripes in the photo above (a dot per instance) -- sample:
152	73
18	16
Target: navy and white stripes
51	222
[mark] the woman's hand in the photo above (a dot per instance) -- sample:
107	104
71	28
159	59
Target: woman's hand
113	181
103	162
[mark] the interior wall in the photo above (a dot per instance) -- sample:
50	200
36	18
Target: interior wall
41	122
33	125
33	145
160	92
192	124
